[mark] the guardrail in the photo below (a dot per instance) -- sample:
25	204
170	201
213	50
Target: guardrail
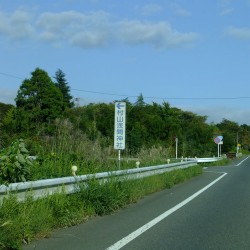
208	159
70	184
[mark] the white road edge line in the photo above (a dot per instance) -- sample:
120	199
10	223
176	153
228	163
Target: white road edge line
121	243
241	162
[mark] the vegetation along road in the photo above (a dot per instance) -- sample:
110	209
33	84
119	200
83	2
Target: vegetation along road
210	211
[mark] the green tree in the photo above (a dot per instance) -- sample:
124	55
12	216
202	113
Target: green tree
6	123
62	84
38	100
244	137
140	101
229	131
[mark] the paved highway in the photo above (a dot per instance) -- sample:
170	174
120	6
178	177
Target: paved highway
211	211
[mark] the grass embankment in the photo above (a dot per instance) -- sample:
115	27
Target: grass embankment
222	162
22	222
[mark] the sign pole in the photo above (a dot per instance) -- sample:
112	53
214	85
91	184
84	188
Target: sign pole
119	159
218	141
176	147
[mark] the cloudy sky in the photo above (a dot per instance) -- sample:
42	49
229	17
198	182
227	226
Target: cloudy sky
192	54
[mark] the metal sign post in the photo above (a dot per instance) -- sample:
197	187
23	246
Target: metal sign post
120	128
176	147
219	142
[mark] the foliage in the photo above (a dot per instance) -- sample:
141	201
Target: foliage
229	131
14	163
104	198
20	224
6	123
62	135
38	101
62	84
68	146
4	108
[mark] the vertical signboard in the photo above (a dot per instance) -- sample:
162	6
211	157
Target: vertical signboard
120	125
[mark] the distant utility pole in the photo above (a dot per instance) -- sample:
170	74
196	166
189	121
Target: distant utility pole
176	147
237	147
77	99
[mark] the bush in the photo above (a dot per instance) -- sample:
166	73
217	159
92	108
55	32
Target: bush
14	163
105	198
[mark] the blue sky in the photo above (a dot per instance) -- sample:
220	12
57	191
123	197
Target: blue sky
192	54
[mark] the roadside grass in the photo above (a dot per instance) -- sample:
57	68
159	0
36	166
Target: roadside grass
22	222
69	146
223	162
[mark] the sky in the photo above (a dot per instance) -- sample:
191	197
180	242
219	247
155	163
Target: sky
192	54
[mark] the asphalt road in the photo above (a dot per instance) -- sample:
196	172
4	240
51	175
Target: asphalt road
211	211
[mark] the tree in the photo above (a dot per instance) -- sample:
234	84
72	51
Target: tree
39	100
6	123
229	131
62	84
140	101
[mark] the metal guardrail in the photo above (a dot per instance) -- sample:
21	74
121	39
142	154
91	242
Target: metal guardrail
70	184
208	159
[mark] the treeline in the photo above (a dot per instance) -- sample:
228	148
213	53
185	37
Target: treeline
41	101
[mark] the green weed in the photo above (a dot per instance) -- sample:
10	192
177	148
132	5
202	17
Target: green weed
21	222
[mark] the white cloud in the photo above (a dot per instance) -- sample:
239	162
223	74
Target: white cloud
239	33
16	26
95	29
227	11
224	4
182	12
226	7
217	113
160	35
90	39
179	10
79	29
151	9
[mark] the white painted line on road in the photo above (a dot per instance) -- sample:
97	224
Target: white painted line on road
121	243
241	162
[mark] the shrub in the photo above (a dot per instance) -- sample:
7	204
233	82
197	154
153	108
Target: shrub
14	163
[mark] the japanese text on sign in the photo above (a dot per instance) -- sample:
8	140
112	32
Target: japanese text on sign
120	128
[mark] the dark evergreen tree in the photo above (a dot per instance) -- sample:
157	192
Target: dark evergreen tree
62	84
140	101
38	101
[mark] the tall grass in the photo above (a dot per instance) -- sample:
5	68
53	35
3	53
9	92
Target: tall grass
69	146
20	223
153	155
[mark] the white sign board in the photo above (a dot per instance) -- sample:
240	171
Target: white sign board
120	125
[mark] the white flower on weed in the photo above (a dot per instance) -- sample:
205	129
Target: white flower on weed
168	160
137	164
74	169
